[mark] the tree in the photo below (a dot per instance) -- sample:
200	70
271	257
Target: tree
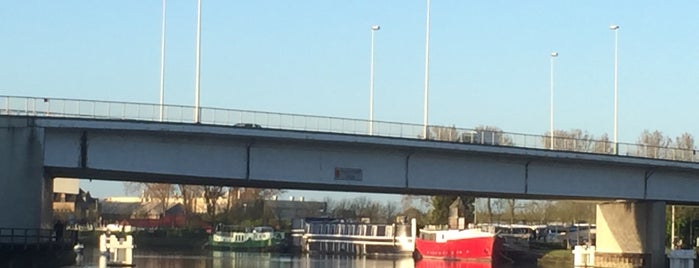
685	147
189	193
161	193
340	209
653	145
511	208
489	210
407	201
602	145
491	135
444	133
154	192
439	214
536	211
573	211
489	206
211	196
390	211
414	213
577	140
136	188
685	227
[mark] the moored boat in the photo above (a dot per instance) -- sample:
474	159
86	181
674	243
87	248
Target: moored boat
341	236
261	238
433	263
472	244
459	241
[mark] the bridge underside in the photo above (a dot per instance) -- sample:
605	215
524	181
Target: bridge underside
316	161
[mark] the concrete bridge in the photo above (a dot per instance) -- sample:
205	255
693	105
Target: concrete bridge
40	144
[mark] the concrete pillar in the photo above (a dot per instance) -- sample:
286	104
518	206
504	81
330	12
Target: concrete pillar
631	233
26	194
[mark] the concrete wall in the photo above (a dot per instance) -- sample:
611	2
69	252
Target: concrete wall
632	228
25	193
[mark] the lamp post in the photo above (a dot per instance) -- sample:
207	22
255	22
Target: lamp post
197	114
162	65
553	56
615	28
427	72
371	81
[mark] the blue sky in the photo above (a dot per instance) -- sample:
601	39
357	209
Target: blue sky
489	59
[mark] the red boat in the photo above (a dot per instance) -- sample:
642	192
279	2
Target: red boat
431	263
467	244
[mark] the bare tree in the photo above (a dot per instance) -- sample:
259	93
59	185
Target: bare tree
444	133
362	207
211	196
573	211
341	209
653	145
685	147
511	208
602	145
189	193
577	140
536	211
491	207
407	201
136	188
390	211
491	135
161	193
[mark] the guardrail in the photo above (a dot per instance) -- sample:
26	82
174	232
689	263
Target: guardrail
110	110
28	237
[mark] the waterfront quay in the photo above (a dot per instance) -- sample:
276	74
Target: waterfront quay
21	247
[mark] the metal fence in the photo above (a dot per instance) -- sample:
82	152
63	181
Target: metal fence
110	110
28	237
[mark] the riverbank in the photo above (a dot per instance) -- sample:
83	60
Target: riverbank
542	254
557	258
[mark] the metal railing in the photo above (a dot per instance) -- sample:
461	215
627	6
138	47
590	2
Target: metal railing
111	110
27	236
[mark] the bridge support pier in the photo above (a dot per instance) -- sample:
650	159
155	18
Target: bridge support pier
631	234
26	194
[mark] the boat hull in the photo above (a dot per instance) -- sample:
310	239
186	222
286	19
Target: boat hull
475	248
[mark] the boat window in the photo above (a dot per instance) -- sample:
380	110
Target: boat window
428	236
381	231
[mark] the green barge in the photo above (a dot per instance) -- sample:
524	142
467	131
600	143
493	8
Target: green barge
261	238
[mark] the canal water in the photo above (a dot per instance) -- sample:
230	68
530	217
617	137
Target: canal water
223	259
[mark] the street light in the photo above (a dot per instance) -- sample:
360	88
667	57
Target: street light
427	71
615	28
162	65
553	55
371	81
197	115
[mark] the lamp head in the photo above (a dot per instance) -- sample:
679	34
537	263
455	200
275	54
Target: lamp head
375	28
554	54
613	27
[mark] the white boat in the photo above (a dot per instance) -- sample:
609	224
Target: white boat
339	236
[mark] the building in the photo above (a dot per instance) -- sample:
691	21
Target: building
72	205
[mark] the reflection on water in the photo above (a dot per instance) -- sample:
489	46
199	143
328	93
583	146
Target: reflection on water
223	259
427	263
